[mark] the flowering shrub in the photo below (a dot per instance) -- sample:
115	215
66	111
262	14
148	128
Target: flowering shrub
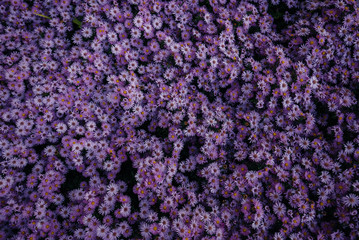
191	119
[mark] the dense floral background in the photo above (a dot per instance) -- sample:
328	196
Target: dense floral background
183	119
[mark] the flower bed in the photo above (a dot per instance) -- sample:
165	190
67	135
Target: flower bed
193	119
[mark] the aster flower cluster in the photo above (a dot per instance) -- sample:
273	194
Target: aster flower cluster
193	119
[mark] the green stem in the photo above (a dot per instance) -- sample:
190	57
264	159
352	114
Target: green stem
42	15
75	20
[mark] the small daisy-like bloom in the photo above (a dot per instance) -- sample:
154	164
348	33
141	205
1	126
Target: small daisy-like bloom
86	32
14	162
79	233
155	228
104	209
108	166
114	234
80	130
351	200
279	208
337	235
138	21
356	186
125	210
145	230
252	176
325	177
255	156
50	151
275	196
278	236
102	231
164	223
76	148
91	126
112	189
210	228
349	148
72	123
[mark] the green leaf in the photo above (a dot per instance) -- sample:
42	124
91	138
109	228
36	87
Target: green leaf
77	22
42	15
